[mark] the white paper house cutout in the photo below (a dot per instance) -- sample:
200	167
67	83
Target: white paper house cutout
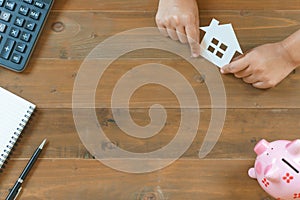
219	43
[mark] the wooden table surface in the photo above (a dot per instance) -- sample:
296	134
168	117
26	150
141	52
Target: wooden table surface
66	170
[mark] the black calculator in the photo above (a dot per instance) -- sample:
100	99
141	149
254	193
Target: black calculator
21	22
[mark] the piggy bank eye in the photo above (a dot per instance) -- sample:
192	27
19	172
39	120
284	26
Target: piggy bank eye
272	148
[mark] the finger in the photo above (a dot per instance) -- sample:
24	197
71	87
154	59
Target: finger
161	26
251	79
236	66
193	35
181	34
241	55
238	57
163	31
244	73
172	33
261	85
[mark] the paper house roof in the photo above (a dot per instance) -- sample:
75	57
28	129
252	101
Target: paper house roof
224	33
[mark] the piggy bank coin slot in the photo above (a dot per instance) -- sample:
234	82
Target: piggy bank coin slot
290	165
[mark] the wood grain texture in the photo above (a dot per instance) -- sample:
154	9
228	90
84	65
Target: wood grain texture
185	179
66	170
56	91
243	128
81	31
151	5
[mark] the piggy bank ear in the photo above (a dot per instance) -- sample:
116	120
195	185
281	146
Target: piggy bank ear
251	173
294	147
261	146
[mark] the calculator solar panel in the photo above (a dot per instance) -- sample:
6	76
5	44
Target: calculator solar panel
21	22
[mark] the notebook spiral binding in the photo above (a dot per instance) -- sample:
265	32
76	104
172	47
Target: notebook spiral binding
15	136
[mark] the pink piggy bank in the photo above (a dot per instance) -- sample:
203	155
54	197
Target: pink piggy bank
277	168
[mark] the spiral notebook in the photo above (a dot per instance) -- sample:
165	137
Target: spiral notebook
14	115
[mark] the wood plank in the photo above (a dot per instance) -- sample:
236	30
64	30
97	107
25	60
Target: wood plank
151	5
49	84
243	128
184	179
72	35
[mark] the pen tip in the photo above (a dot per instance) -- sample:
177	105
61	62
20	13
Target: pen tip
43	143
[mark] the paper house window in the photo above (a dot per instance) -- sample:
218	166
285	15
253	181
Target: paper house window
219	43
217	48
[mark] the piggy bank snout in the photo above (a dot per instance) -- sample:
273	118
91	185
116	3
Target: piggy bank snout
272	173
261	146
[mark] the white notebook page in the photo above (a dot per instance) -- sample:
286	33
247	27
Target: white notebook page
14	114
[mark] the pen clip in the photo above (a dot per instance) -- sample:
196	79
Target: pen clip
18	193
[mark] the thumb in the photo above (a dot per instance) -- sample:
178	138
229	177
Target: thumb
235	66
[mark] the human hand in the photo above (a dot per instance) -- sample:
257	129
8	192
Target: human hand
263	67
179	20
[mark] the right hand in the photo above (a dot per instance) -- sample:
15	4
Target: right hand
179	20
263	67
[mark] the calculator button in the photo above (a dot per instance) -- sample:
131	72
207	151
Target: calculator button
5	16
16	58
23	10
28	1
19	21
10	5
30	25
1	2
25	36
7	48
21	47
39	4
34	14
14	32
2	28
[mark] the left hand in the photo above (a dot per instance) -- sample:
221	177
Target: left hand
263	67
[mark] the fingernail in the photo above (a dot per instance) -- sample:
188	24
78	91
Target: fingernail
222	70
194	55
